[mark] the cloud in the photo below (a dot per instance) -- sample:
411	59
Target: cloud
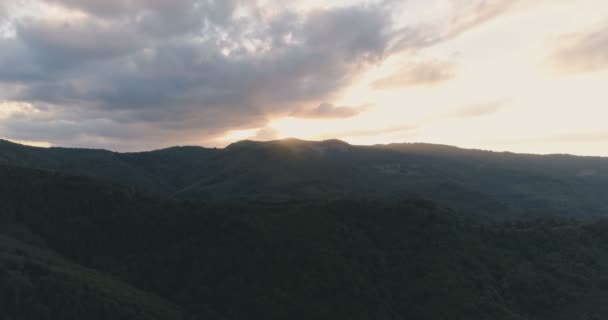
581	52
142	9
461	17
474	13
69	43
329	111
127	74
476	110
479	110
6	32
416	74
578	139
266	134
103	68
376	131
15	109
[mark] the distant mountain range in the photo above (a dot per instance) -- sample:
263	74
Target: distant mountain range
491	184
294	229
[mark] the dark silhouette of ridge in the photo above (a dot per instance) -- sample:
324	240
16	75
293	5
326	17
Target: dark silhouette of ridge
491	184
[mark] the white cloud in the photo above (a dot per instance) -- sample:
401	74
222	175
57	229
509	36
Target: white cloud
11	109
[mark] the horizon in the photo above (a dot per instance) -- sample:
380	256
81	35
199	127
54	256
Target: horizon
497	75
290	139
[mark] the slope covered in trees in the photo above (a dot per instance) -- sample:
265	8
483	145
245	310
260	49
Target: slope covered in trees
497	185
36	284
352	258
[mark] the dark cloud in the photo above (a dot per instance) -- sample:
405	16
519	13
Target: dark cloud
427	73
582	52
122	8
98	132
110	69
155	72
97	7
67	44
165	18
328	111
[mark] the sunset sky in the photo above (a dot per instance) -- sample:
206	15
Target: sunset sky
517	75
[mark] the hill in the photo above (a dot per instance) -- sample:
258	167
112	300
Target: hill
339	259
490	184
37	284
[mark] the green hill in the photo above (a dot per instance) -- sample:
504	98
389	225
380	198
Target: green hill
489	184
35	284
333	259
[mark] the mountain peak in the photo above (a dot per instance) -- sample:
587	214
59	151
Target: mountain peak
289	142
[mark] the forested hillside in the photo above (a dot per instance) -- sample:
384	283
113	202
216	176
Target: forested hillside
489	184
36	284
352	258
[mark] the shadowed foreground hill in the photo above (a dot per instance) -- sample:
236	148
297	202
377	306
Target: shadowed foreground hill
483	183
342	259
35	284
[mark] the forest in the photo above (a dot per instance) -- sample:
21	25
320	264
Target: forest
301	230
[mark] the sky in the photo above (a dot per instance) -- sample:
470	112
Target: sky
507	75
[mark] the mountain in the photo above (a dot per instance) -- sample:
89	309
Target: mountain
96	163
490	184
348	258
38	284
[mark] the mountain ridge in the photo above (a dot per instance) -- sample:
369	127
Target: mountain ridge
428	145
482	182
316	231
